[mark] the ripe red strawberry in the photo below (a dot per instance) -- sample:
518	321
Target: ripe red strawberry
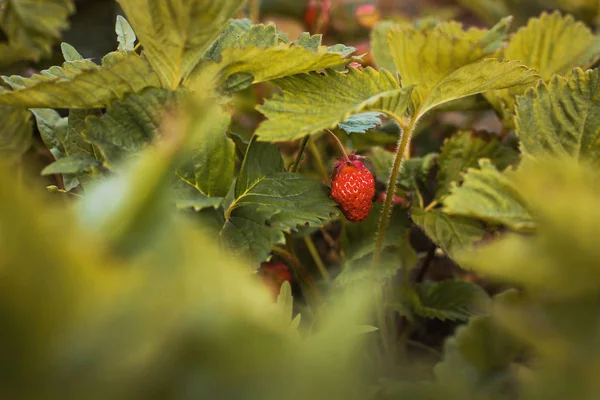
273	274
353	188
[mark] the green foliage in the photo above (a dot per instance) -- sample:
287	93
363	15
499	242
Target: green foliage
491	196
552	44
452	233
561	117
379	46
81	83
241	67
445	63
75	164
210	169
125	34
176	34
15	137
129	124
462	151
32	27
166	199
564	248
480	360
314	102
268	202
358	247
360	123
452	300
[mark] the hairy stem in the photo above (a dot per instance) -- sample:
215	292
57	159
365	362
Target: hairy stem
296	164
387	206
383	224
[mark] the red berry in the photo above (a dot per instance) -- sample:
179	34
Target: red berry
353	188
273	274
395	200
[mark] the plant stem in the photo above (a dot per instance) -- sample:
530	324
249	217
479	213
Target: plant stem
383	224
387	207
431	205
314	151
316	257
340	145
296	164
254	7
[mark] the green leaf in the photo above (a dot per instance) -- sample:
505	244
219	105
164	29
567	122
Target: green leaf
15	133
187	196
175	34
358	245
490	196
552	44
380	48
453	300
228	38
314	102
463	151
211	167
53	130
269	202
401	255
262	36
359	242
70	53
308	42
452	233
563	256
414	174
240	68
76	138
479	358
81	84
562	117
34	25
360	123
129	125
125	34
479	77
446	63
75	164
261	159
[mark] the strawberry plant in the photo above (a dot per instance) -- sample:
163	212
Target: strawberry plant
199	235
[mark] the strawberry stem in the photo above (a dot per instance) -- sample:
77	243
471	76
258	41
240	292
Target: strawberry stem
340	145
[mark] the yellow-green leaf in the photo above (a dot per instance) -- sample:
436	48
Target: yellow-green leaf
81	84
490	196
563	257
176	33
551	44
33	26
479	77
562	117
241	67
15	133
313	102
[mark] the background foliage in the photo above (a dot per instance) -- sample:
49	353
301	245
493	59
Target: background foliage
157	156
